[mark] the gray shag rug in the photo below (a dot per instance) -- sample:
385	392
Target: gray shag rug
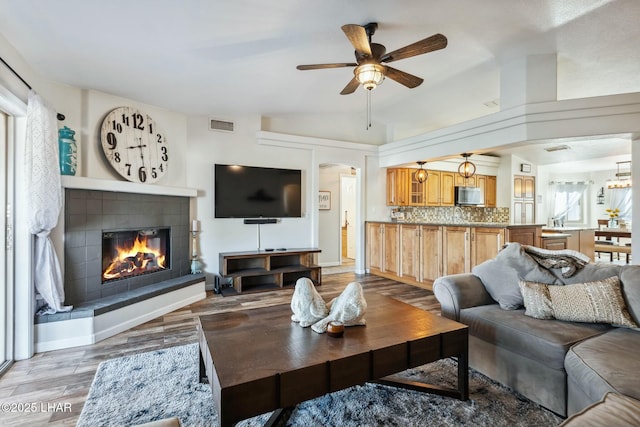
164	383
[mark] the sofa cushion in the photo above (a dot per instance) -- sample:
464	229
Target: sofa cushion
590	272
599	301
546	342
500	275
630	279
606	363
614	410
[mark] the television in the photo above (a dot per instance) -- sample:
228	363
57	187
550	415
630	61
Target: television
257	192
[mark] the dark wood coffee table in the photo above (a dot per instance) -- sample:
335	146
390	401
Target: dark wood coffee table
258	360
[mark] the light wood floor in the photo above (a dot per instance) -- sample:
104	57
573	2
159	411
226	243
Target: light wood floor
54	385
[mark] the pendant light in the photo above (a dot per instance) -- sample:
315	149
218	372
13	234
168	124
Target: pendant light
466	168
421	174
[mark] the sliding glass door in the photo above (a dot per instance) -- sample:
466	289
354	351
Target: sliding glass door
6	236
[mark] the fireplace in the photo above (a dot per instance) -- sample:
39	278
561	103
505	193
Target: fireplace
98	222
127	253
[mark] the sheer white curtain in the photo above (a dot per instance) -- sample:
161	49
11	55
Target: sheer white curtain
621	198
566	200
44	198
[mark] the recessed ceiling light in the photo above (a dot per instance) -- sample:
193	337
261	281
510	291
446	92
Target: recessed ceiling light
557	148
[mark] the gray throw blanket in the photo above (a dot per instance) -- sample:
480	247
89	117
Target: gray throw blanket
567	260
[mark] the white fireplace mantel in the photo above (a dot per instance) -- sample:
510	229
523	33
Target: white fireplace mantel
83	183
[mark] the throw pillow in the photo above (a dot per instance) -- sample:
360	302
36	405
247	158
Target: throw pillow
500	275
537	301
600	301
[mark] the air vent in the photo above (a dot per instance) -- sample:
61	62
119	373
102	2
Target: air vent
221	125
557	148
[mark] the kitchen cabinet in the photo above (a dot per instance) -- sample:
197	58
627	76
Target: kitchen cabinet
397	187
438	190
417	190
523	199
434	188
525	235
456	250
580	240
382	248
447	188
554	243
418	254
410	252
488	191
430	253
485	243
461	181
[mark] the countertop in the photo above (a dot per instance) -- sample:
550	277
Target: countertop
561	229
463	224
554	235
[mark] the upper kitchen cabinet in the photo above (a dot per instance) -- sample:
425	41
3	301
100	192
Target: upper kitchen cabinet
465	182
487	185
524	199
397	187
417	190
434	189
403	189
447	188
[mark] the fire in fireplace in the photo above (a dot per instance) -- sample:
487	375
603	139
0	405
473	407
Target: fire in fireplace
127	253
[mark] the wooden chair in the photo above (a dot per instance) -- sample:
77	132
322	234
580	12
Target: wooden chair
602	223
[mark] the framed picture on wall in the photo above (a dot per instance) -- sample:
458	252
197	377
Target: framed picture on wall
324	200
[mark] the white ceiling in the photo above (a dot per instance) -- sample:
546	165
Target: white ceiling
224	57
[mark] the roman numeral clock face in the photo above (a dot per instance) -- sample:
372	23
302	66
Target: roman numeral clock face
134	145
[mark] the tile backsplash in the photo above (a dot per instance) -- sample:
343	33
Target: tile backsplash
453	214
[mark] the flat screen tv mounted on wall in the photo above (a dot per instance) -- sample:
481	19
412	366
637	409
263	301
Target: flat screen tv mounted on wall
257	192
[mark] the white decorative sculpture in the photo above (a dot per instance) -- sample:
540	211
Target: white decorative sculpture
348	308
307	305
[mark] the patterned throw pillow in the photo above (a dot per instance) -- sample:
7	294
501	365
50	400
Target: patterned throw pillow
600	301
537	301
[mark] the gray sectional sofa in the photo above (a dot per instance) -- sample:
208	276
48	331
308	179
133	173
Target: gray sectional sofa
563	365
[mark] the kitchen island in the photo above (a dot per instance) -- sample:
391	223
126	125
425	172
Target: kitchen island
581	239
418	253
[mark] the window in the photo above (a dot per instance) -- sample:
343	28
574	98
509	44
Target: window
621	198
568	202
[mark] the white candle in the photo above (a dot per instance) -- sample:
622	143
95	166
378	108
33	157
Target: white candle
194	225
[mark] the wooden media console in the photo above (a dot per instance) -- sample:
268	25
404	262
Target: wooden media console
256	271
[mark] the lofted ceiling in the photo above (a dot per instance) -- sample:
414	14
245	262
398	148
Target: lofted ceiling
208	57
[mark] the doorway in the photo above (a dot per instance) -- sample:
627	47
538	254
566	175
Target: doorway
348	210
338	218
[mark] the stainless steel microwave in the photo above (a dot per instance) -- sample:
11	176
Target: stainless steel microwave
468	196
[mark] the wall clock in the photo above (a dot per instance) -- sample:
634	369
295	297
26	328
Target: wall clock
134	145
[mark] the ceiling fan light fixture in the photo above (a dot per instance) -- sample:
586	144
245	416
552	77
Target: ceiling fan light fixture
466	169
421	174
370	75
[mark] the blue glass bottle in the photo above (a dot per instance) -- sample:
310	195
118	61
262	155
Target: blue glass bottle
68	151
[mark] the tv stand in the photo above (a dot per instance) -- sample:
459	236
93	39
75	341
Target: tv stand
258	271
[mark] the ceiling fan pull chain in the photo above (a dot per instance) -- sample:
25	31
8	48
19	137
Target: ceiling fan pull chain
368	109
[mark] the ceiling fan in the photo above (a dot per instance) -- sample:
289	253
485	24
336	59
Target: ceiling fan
371	58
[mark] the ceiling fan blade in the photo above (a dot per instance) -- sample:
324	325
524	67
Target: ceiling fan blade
435	42
357	35
350	87
409	80
322	66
